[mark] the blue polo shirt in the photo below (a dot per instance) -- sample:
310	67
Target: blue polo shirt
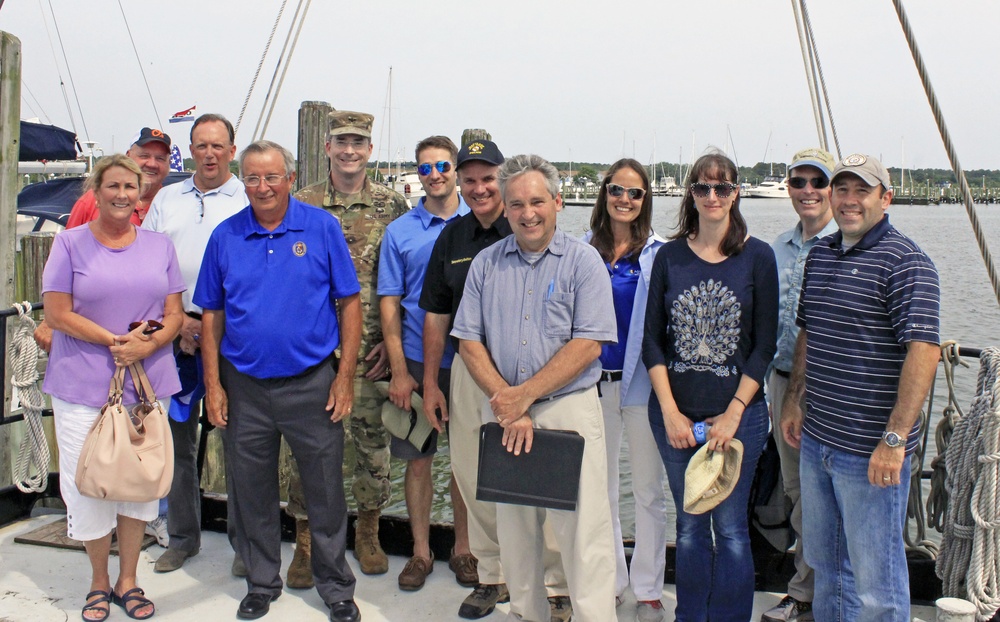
406	251
278	289
860	307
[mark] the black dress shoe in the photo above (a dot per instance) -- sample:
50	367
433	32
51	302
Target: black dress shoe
254	605
344	611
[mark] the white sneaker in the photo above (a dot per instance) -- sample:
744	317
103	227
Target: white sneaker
158	529
789	610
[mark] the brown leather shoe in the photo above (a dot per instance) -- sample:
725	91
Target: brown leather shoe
466	569
415	573
367	549
300	574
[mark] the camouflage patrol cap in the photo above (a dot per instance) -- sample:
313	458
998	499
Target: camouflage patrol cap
347	122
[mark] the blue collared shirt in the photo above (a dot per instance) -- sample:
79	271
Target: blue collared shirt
790	252
406	250
278	289
525	312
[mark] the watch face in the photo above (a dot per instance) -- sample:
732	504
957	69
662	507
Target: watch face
892	439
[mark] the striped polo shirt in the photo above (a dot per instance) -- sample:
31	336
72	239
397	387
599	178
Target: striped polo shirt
861	306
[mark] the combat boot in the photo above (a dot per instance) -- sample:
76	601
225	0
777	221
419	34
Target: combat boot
367	549
300	574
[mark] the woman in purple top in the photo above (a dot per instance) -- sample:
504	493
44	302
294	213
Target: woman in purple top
710	333
99	279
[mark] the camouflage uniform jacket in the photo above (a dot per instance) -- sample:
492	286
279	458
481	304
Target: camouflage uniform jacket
363	217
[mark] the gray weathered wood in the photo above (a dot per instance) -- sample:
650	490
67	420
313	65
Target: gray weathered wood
474	134
313	165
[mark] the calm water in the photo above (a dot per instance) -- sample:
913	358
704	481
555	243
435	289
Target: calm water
970	313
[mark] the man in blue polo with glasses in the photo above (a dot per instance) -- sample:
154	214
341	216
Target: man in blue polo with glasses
809	188
405	253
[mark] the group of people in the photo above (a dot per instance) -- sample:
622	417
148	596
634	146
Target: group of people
472	307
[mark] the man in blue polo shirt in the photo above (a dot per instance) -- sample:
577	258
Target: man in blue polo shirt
406	249
865	359
271	283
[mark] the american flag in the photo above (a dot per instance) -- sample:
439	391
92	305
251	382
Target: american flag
176	161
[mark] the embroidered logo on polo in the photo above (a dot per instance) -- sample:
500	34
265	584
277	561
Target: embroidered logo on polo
299	248
855	159
706	323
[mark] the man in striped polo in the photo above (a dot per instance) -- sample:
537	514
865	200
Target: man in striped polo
864	360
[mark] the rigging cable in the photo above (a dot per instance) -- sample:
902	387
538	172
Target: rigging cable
139	62
256	74
822	80
810	78
69	71
284	69
55	59
37	103
950	148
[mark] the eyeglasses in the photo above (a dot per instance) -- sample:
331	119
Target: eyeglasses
801	182
635	194
721	190
442	167
252	181
151	327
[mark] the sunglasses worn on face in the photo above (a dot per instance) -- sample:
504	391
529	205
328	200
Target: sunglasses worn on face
442	167
721	190
635	194
800	182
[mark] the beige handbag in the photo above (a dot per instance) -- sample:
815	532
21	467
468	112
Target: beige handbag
128	456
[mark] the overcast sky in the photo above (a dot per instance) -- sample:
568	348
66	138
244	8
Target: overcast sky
582	81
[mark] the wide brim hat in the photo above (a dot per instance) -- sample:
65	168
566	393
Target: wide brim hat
711	477
411	426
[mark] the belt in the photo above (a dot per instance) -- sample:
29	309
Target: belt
610	376
784	374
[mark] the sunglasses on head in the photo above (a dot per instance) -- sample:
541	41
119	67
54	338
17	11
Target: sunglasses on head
722	191
800	182
635	194
442	166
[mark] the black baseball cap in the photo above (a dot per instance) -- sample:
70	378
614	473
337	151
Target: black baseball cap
151	135
483	150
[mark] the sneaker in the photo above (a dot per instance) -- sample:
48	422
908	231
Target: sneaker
789	610
466	569
561	608
415	573
238	569
649	611
158	529
171	560
481	602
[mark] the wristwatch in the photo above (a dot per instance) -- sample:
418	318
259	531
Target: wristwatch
893	440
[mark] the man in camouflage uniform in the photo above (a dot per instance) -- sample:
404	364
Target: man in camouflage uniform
364	209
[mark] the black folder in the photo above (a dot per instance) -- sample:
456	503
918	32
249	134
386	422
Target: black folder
547	477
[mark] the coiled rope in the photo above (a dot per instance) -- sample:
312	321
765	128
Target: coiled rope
969	563
937	497
34	451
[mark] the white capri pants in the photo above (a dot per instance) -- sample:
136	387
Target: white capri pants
88	518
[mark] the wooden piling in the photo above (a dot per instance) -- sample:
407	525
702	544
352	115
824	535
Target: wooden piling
313	165
474	134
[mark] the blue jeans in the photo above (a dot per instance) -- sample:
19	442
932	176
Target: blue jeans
714	582
853	535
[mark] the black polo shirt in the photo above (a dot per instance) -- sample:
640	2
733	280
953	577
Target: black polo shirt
454	249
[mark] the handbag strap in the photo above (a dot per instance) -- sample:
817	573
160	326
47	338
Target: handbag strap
117	386
142	384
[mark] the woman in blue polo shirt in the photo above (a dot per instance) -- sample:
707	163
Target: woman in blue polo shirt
621	230
710	333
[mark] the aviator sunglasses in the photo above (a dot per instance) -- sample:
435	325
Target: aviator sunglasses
800	182
722	191
635	194
442	166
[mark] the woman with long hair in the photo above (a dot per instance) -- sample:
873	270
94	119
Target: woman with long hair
710	333
621	230
99	279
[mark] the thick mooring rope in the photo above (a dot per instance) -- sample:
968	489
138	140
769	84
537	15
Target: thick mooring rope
34	451
969	563
937	497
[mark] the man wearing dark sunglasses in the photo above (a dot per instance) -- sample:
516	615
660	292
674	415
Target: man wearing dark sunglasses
870	319
403	260
364	210
809	188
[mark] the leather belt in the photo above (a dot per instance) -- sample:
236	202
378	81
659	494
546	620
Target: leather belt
610	376
784	374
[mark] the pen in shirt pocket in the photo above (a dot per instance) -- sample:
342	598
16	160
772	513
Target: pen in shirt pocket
552	288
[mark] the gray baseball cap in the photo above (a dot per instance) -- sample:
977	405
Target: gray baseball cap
870	170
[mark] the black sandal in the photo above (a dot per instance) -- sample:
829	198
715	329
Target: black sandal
135	594
92	605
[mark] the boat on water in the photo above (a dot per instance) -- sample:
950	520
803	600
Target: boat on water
773	187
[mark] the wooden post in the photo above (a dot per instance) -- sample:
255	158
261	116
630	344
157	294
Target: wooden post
313	165
10	142
470	135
